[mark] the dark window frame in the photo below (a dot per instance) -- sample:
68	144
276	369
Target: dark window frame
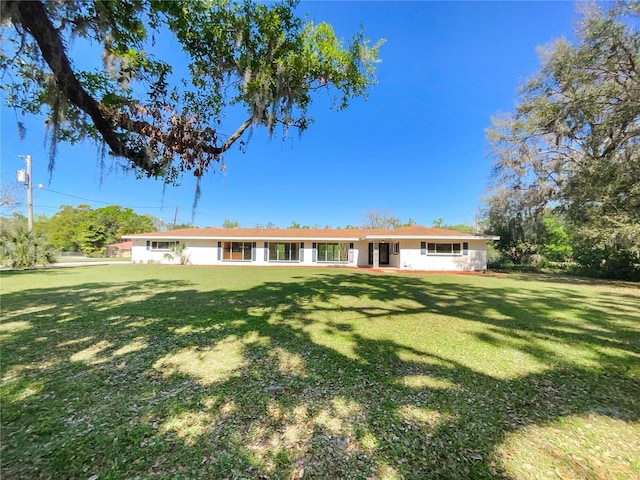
332	252
289	249
245	249
162	245
444	248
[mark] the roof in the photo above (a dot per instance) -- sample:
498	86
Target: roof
122	245
341	234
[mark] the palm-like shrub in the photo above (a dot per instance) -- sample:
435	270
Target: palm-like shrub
178	254
21	248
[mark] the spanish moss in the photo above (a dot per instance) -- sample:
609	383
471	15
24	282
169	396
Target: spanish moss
196	199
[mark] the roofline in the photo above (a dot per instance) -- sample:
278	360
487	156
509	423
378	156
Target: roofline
235	237
350	239
432	237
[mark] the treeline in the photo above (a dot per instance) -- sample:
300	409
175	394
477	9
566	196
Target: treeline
371	219
84	229
556	244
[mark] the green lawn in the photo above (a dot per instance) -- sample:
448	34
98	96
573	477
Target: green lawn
150	371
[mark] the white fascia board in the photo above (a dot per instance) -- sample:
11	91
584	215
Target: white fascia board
314	239
430	237
236	237
303	239
286	239
167	238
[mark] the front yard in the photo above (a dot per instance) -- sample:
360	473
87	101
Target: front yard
150	371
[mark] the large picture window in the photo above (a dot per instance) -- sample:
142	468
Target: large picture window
237	251
283	252
333	252
444	249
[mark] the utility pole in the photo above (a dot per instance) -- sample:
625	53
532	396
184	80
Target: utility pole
22	177
175	217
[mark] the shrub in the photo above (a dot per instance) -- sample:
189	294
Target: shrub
22	248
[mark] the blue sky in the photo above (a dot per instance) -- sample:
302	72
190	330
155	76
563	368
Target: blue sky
416	148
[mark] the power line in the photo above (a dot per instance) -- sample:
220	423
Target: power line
125	206
96	201
111	203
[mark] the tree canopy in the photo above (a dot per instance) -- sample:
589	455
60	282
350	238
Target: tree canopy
459	227
83	229
261	58
573	143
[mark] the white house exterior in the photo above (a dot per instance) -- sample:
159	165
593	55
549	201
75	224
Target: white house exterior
407	248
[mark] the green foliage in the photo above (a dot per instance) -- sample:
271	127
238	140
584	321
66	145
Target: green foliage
21	248
495	258
573	144
179	226
555	245
83	229
519	228
93	238
64	228
459	227
230	223
118	221
600	258
260	58
178	254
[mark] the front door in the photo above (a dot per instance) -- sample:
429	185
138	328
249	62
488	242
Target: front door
371	254
384	253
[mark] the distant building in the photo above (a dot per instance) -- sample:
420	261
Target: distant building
122	249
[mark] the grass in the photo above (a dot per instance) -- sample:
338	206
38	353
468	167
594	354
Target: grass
150	371
70	259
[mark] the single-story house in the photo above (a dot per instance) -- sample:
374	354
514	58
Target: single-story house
406	248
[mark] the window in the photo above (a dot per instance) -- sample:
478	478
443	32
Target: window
162	245
237	251
444	249
396	248
333	252
283	252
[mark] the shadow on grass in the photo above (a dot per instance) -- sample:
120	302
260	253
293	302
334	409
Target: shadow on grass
301	377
